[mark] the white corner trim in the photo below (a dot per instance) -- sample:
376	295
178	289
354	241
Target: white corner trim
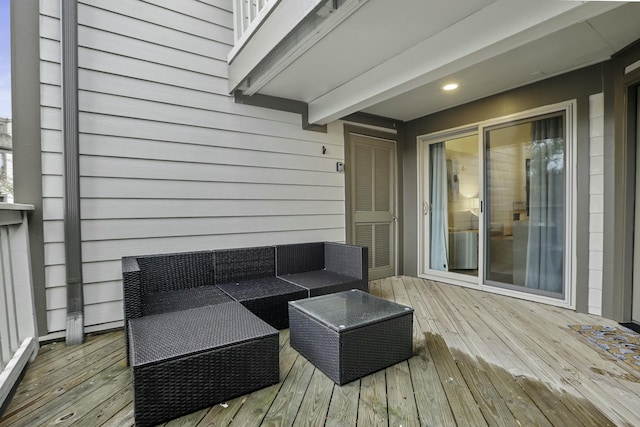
629	68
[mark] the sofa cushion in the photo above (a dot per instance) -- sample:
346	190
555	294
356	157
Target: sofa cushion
266	297
322	282
165	302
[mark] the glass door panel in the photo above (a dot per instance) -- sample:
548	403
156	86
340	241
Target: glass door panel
453	205
525	204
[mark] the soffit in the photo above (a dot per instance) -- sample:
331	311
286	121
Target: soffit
380	30
391	58
575	47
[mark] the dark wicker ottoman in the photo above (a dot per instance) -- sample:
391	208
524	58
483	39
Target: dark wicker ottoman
187	360
266	297
350	334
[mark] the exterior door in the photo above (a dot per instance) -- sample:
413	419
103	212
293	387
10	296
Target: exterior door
372	165
450	202
496	204
525	204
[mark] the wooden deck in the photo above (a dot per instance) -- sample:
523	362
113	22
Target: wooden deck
480	359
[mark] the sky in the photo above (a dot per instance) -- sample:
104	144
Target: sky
5	61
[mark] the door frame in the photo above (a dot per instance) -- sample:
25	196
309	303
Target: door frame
348	181
423	142
621	74
632	131
569	297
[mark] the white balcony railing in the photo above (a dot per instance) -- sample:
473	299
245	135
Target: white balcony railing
266	27
247	17
18	341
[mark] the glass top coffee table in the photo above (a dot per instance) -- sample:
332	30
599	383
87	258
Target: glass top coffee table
351	334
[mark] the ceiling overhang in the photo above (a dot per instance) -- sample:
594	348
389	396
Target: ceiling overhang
391	58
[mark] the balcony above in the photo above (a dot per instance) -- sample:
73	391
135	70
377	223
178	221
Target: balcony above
392	58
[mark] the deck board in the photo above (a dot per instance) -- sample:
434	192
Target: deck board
465	409
284	408
479	359
372	406
401	403
33	395
343	409
315	404
494	409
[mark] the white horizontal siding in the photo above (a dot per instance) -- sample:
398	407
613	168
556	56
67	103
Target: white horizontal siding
168	161
147	12
149	32
199	10
128	188
258	151
111	229
265	168
51	124
107	42
93	273
159	131
95	293
96	81
96	165
222	4
94	251
152	113
160	208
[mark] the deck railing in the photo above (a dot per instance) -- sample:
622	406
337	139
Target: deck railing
18	334
247	17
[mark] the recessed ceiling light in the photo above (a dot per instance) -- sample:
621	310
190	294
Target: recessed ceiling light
450	86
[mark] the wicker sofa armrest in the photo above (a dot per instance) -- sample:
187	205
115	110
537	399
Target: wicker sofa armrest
132	294
132	288
349	260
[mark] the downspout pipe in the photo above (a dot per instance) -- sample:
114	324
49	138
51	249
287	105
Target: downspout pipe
72	236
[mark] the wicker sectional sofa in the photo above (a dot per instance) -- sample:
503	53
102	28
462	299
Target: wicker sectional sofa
255	277
162	293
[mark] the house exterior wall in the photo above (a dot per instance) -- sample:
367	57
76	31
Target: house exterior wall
168	162
578	85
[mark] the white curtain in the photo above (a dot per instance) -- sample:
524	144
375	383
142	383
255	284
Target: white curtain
545	249
439	209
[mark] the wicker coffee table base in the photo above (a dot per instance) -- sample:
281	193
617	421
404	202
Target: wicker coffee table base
349	354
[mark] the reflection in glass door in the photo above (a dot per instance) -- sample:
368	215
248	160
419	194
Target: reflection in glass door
452	207
525	204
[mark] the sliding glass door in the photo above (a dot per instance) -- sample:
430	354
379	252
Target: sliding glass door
451	205
525	199
497	205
